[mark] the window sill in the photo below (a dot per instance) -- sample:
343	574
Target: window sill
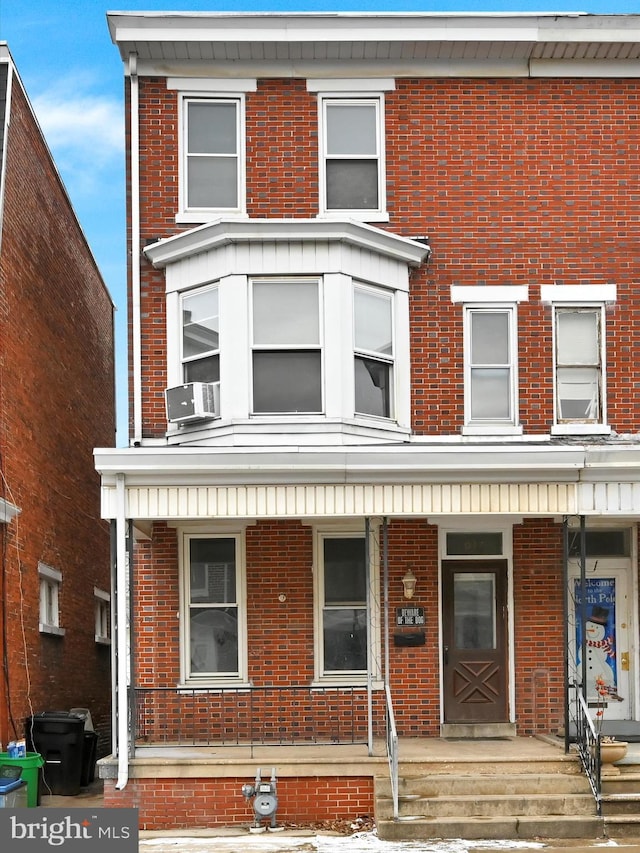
54	630
102	641
202	216
491	429
357	215
211	687
352	683
580	429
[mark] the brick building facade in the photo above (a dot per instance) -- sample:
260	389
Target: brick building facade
56	402
383	327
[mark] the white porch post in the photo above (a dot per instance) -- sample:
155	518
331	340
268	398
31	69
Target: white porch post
122	633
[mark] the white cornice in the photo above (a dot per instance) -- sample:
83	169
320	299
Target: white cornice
221	232
348	44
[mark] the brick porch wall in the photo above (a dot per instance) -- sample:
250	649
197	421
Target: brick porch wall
192	803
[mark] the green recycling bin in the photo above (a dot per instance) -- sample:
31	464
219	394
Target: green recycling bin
31	764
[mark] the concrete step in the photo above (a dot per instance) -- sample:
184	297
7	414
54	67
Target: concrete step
504	828
487	805
621	804
507	784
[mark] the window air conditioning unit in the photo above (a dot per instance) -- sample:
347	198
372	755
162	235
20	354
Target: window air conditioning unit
194	401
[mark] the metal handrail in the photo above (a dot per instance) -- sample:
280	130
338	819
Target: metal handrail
255	714
392	750
588	746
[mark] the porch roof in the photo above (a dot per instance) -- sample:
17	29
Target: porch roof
202	483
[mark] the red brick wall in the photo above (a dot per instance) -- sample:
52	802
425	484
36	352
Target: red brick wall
517	181
56	405
539	621
191	803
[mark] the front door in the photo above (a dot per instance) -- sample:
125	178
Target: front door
475	670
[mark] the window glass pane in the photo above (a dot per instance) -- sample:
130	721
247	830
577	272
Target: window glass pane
476	544
489	337
212	128
600	543
214	640
344	571
373	322
474	610
351	129
212	182
577	337
352	184
203	370
345	639
373	393
287	381
578	397
490	393
285	313
200	323
213	571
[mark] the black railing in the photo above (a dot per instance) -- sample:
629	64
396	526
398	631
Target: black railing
266	715
587	742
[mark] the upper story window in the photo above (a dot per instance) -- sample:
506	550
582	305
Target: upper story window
374	356
490	358
50	583
579	357
201	336
102	616
286	347
578	365
213	144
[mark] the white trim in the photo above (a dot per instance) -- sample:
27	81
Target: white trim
213	85
493	293
580	429
101	594
583	294
49	572
351	85
504	526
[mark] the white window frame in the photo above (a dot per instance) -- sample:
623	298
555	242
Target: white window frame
371	355
50	583
284	347
347	530
209	679
102	613
379	213
201	214
589	298
491	299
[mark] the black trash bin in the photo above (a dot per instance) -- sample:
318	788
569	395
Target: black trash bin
89	755
59	738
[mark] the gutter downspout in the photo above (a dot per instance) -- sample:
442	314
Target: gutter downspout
136	332
122	652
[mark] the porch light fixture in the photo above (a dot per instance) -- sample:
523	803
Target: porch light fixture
409	584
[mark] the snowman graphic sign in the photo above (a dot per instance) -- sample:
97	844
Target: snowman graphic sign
599	636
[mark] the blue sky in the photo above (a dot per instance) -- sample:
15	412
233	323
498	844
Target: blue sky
74	79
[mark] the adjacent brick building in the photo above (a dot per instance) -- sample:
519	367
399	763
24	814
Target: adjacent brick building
383	305
56	402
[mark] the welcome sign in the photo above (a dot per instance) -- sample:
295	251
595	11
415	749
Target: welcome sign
75	830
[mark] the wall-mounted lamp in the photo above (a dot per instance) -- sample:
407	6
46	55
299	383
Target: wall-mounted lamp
409	584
